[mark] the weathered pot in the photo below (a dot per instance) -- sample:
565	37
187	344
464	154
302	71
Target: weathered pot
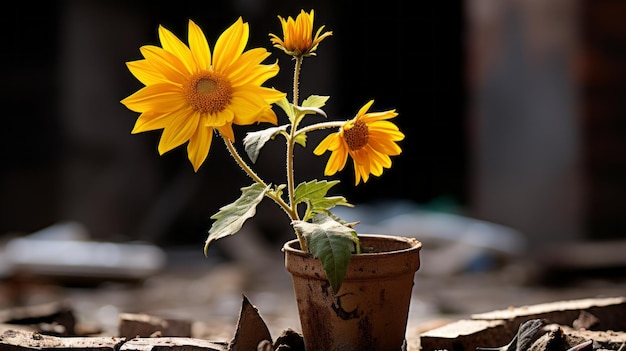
370	310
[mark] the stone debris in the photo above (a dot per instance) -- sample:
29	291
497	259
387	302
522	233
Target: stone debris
569	325
497	329
132	325
172	344
20	340
54	318
251	329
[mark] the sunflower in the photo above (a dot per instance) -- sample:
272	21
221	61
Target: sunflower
298	40
191	92
368	138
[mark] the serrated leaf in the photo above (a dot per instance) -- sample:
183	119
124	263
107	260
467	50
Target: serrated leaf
315	101
332	243
313	193
230	218
323	205
253	142
313	189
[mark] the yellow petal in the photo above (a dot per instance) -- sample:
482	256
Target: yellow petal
323	146
199	146
257	76
220	118
227	131
336	161
199	47
155	97
145	72
165	62
385	146
149	121
250	60
271	95
372	117
246	107
172	44
230	45
181	127
360	172
268	115
365	107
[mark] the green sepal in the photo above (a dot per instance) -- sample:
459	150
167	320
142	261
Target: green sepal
230	218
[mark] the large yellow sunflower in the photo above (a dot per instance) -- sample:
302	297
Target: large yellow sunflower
368	138
190	92
298	35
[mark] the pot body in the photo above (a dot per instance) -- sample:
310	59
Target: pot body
370	310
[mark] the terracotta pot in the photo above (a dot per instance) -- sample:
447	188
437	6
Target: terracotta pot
370	310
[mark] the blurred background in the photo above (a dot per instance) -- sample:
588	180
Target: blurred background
514	113
67	149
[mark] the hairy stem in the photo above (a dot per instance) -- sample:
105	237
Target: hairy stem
291	139
296	78
289	154
323	125
244	166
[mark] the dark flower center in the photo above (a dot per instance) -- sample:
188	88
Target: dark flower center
357	136
208	93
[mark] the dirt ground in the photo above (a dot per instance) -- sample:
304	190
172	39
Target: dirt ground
208	291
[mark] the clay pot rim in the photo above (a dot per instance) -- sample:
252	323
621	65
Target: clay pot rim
413	245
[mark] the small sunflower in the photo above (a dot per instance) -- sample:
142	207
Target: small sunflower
368	138
190	92
298	35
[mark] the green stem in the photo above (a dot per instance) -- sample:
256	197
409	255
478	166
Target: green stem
290	140
323	125
244	166
289	154
292	133
296	78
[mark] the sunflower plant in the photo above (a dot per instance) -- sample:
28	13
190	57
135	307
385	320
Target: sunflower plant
193	93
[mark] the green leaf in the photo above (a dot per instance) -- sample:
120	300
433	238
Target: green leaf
277	191
313	193
313	190
254	141
301	139
312	105
288	108
230	218
325	204
315	101
302	111
331	242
